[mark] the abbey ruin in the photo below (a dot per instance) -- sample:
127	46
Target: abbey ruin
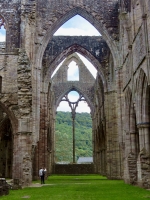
119	98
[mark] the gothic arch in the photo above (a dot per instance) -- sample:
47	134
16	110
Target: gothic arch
73	57
2	22
90	104
130	112
131	138
82	51
5	24
143	98
11	116
42	44
97	24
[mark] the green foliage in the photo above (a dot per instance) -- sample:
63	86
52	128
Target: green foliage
64	139
89	187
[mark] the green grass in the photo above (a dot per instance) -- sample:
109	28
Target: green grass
90	187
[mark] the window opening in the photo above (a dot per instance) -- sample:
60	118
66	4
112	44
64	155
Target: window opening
2	30
73	72
73	28
74	67
79	139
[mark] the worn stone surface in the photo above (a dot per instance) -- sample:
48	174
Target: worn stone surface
65	45
119	96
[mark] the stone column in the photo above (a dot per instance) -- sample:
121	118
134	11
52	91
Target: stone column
22	155
22	158
112	136
42	151
143	166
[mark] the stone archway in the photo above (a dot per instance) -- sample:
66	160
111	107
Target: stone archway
6	146
46	29
8	129
75	48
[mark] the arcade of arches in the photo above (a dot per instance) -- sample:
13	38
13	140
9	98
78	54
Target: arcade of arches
119	97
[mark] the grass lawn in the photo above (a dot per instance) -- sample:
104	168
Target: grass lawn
90	187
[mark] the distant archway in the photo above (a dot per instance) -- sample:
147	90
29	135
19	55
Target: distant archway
82	51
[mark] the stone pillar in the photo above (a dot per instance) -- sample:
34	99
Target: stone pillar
22	158
43	133
112	139
143	162
22	155
52	143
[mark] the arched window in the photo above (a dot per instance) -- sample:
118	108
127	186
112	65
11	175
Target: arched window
2	29
73	129
73	27
73	72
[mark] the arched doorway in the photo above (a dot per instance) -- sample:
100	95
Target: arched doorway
6	145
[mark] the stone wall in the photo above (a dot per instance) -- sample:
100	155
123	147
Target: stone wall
120	96
134	92
74	169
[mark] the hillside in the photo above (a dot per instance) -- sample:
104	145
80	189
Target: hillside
63	136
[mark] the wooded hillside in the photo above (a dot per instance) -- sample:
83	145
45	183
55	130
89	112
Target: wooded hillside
63	136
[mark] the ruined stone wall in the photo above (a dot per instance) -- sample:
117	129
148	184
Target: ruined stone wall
106	146
85	85
51	12
10	11
16	100
133	81
26	77
62	46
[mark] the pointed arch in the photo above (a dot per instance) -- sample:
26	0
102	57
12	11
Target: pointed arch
97	24
41	46
2	25
72	49
73	57
90	104
11	116
143	98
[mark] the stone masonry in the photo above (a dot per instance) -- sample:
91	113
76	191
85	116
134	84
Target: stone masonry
119	97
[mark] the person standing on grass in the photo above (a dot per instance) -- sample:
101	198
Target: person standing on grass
42	174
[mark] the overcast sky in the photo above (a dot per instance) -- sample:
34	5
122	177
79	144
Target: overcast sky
2	34
76	26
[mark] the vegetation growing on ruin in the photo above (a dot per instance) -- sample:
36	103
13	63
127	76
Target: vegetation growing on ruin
63	135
